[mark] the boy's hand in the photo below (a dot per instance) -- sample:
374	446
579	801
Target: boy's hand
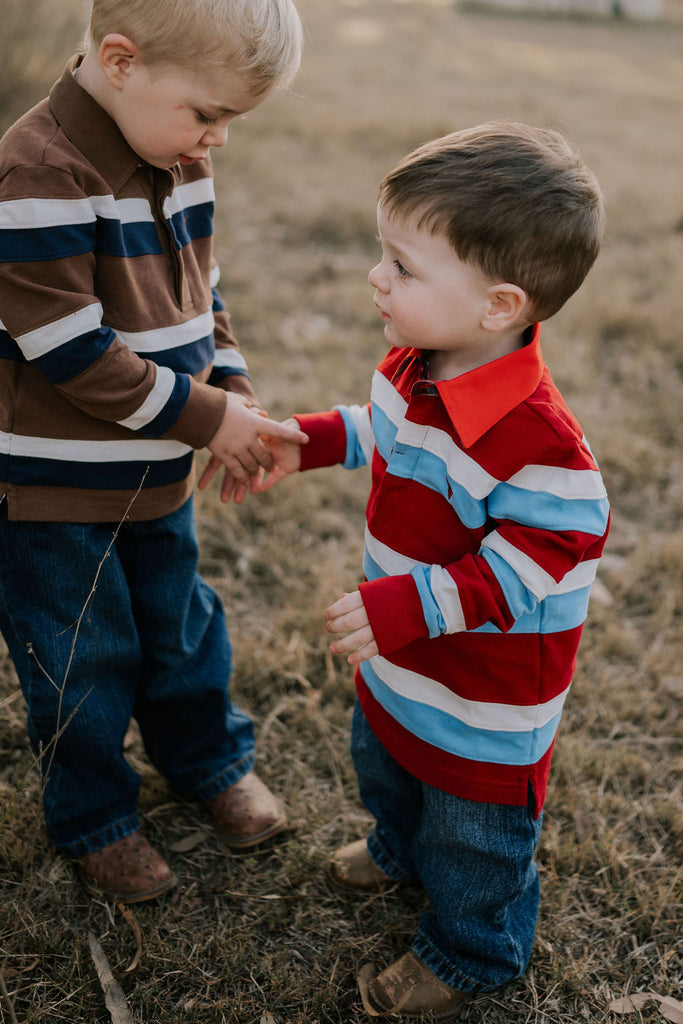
348	615
286	459
230	487
239	446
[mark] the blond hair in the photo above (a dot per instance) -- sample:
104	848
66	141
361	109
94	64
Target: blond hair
515	201
262	38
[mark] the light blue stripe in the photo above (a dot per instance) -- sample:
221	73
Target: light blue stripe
554	614
455	737
410	463
354	456
548	512
519	598
371	569
430	609
384	430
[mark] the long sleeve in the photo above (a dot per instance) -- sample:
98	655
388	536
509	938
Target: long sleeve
549	520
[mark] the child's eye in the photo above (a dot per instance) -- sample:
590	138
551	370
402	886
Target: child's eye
203	119
402	272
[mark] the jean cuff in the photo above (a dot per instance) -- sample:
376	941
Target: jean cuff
384	861
223	780
441	967
102	837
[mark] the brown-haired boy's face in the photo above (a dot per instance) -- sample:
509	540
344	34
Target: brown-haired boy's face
172	115
430	299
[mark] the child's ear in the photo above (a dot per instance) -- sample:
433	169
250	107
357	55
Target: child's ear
117	55
505	305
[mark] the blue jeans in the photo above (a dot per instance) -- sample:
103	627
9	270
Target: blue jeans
152	644
474	860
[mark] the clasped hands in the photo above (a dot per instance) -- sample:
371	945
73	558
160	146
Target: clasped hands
244	445
250	445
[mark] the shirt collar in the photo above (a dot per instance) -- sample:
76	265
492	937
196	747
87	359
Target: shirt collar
91	130
477	400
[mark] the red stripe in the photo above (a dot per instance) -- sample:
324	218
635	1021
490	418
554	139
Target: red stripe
511	668
472	780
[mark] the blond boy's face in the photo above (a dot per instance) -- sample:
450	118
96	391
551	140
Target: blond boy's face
171	115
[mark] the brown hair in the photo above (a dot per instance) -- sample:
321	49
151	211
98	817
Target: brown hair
516	202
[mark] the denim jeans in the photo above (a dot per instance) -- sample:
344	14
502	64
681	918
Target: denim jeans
474	860
152	644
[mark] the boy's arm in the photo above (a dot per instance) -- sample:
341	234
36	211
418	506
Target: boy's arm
51	311
229	370
333	438
551	525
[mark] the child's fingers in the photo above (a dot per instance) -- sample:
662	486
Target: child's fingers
284	430
210	471
346	603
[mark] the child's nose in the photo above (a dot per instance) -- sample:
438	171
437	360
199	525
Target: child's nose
377	279
215	135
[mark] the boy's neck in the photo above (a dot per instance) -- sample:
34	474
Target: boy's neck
445	365
89	76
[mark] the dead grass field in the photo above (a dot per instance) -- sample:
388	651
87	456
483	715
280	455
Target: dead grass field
258	939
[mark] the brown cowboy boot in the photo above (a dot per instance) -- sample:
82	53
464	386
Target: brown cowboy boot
247	813
128	870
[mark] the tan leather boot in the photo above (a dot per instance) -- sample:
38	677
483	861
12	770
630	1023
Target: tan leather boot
409	989
353	869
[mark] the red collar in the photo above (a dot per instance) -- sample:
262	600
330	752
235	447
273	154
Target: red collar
477	400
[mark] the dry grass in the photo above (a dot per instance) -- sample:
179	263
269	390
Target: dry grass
246	937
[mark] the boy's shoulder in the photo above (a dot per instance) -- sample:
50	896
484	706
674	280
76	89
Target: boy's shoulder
25	142
66	138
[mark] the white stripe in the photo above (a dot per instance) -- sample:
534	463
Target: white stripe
476	714
534	578
228	358
192	193
127	211
45	339
387	398
155	401
447	596
214	275
392	563
45	213
173	336
360	417
50	213
67	450
563	483
460	467
582	575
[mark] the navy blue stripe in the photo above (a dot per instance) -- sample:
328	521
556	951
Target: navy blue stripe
9	348
139	238
29	245
97	476
219	373
199	220
171	411
191	358
218	304
194	222
73	357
